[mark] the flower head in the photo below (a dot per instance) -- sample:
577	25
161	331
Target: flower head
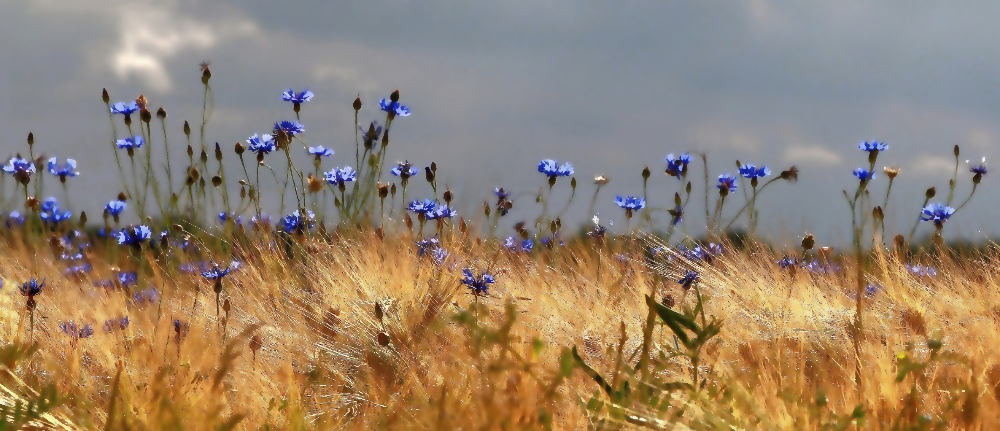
52	214
921	270
979	168
394	108
873	146
441	212
124	108
371	134
217	273
425	245
291	128
32	287
115	208
418	207
676	215
550	167
147	296
404	170
320	152
727	183
295	222
261	144
20	168
111	324
338	177
937	213
864	175
134	236
479	285
14	219
677	166
751	171
787	262
67	170
131	143
688	279
290	96
71	329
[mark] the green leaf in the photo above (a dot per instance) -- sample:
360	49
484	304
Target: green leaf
593	374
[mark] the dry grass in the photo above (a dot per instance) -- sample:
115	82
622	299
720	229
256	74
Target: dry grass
321	363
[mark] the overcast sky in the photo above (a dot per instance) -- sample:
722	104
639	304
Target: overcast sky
496	86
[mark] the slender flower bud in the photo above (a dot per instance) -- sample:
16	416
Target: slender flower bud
486	208
206	74
447	196
161	113
392	190
190	151
572	183
104	96
218	152
434	167
187	129
357	103
877	213
429	174
930	192
677	199
83	218
239	149
645	173
204	156
955	150
394	97
688	188
31	139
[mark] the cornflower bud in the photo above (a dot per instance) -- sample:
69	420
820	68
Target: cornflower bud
187	130
161	113
929	194
104	96
808	242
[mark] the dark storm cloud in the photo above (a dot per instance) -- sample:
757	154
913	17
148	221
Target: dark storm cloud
496	86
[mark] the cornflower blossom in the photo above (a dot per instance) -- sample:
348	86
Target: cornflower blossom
689	279
676	215
115	208
752	172
864	175
441	212
418	207
296	98
77	332
727	183
921	270
319	152
479	285
937	213
52	214
32	288
67	170
134	236
124	108
404	170
551	169
133	143
290	128
261	144
873	146
425	245
371	134
340	176
20	168
295	222
677	166
394	109
788	262
111	324
217	273
630	204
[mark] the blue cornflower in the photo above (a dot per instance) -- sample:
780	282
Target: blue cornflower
14	219
394	108
677	166
502	195
52	214
630	204
688	279
320	152
873	146
261	144
921	270
787	262
427	244
111	324
550	241
295	222
65	171
821	267
290	96
115	207
32	287
439	255
937	213
217	273
124	108
291	128
20	168
550	167
131	144
71	329
338	177
751	171
479	285
727	184
404	170
864	175
419	207
441	212
134	236
978	169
